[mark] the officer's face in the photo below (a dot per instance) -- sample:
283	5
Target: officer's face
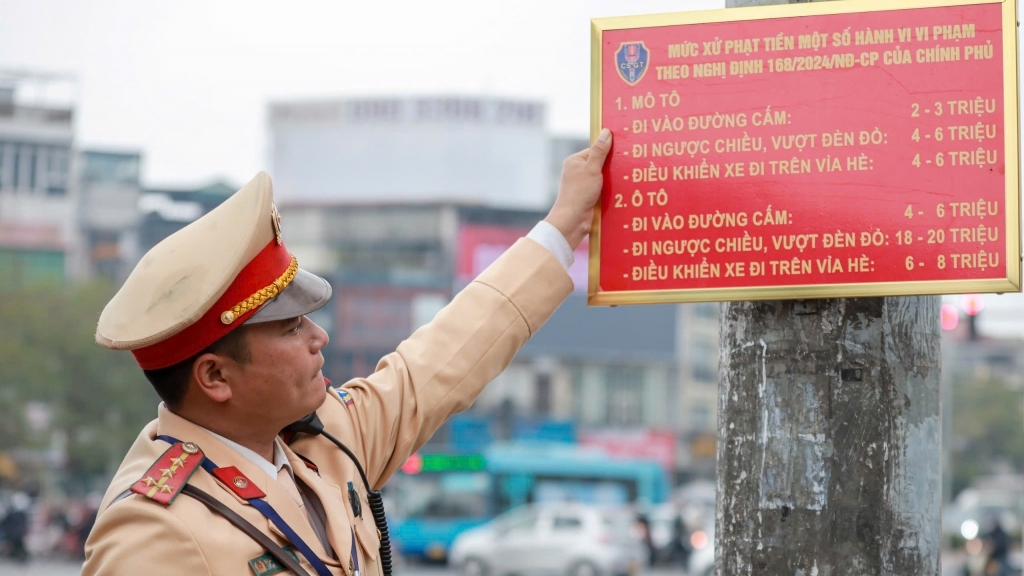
283	381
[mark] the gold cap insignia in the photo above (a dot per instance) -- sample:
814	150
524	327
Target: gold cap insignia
275	220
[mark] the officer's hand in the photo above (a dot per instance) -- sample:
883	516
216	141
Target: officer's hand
579	190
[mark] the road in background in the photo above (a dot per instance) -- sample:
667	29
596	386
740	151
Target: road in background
950	563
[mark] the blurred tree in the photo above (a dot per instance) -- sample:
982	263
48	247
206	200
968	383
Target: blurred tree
98	399
988	429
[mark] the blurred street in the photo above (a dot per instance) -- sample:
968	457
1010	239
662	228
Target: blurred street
64	569
950	564
39	569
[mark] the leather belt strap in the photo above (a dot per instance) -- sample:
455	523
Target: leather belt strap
239	522
244	525
268	511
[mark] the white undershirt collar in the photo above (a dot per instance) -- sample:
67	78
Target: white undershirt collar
271	468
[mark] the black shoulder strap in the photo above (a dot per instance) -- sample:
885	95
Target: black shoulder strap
239	522
244	525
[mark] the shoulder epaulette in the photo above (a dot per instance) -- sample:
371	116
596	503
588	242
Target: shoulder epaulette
169	474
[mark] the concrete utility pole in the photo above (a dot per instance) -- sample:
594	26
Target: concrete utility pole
829	435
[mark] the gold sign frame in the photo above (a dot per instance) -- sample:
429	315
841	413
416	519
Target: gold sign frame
1011	120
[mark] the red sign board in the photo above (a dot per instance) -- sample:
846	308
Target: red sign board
855	148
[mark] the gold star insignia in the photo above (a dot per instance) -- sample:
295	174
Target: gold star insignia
149	481
167	472
166	488
179	461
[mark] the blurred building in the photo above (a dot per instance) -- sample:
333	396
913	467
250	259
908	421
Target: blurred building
635	380
973	346
108	215
561	148
966	360
120	220
698	404
164	211
39	237
478	150
1003	316
393	266
971	355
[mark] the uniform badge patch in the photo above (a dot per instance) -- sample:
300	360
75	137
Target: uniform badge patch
266	564
345	397
169	474
631	61
235	481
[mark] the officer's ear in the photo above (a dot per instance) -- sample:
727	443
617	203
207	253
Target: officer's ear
209	376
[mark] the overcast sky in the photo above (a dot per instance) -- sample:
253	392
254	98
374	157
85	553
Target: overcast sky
187	82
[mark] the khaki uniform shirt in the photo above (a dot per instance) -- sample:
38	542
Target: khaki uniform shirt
437	372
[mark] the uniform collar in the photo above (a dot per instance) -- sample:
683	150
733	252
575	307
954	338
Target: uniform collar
271	468
213	447
225	453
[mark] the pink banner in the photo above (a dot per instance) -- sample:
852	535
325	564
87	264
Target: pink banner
656	445
480	245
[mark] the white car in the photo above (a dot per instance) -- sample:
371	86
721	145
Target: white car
566	539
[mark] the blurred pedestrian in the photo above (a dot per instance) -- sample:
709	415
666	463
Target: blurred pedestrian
679	546
92	506
645	528
997	541
15	527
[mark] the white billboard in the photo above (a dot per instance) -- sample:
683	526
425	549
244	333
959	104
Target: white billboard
488	151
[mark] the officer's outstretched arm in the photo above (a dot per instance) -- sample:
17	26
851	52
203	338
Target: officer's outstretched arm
442	367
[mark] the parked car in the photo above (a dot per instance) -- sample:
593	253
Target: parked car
567	539
980	506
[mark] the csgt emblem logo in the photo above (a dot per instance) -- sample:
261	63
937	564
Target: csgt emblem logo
631	61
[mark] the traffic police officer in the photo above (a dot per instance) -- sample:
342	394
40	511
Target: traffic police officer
215	316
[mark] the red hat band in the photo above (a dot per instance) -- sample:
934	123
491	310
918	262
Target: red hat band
272	267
